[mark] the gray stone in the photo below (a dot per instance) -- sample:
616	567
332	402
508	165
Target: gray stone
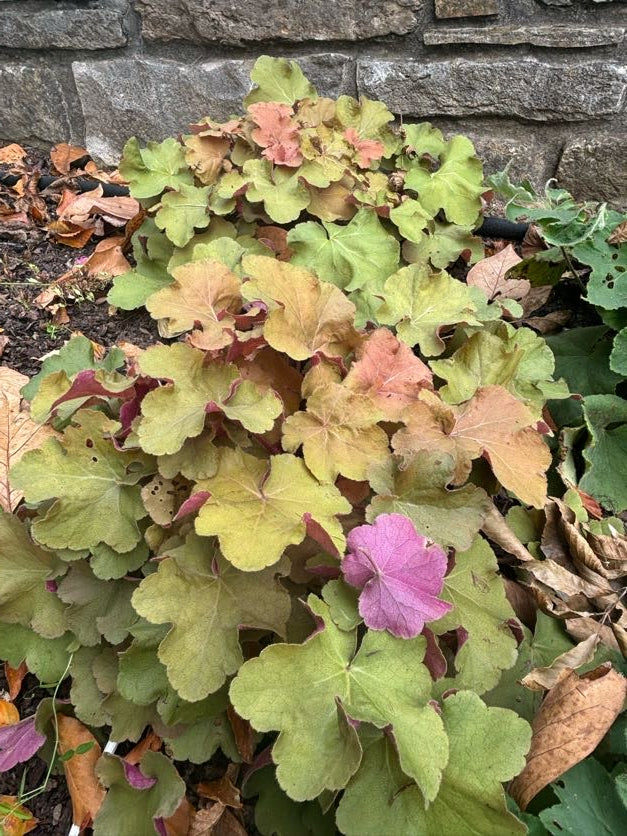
152	99
465	8
525	88
529	160
38	102
595	167
237	21
558	36
62	28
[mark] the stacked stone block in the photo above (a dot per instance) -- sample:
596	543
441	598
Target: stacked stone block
538	83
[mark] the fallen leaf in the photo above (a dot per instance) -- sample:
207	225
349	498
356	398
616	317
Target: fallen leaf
11	154
535	299
497	529
228	825
14	678
63	155
60	315
180	822
205	820
490	276
85	790
151	742
545	678
18	433
19	742
533	242
70	234
572	720
108	258
222	790
243	733
618	236
9	715
115	210
550	323
15	819
4	341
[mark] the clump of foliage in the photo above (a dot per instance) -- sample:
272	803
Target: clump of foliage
276	519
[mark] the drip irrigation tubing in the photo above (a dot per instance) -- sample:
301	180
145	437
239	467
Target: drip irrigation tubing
489	228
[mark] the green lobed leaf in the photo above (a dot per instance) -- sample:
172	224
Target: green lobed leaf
46	658
278	80
183	211
202	647
606	453
158	166
383	683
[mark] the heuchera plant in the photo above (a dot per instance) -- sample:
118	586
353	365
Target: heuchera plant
192	508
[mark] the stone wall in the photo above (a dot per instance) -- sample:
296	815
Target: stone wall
538	82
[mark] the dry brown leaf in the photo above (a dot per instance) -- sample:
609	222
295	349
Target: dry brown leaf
108	258
490	276
550	323
4	341
619	235
496	528
573	718
205	820
80	211
180	822
60	315
533	242
243	733
63	155
535	299
12	824
229	825
11	154
522	601
85	790
14	678
584	626
152	742
18	433
222	790
9	715
545	678
565	582
70	234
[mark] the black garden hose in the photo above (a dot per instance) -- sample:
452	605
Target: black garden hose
490	227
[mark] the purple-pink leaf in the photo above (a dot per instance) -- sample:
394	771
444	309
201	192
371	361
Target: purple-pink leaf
19	742
136	777
399	574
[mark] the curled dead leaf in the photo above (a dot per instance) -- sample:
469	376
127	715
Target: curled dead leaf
545	678
14	678
108	258
496	528
63	155
9	715
222	790
205	820
490	275
243	733
573	718
180	822
151	742
12	154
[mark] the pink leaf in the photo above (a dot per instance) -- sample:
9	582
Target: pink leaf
399	574
19	742
368	150
276	133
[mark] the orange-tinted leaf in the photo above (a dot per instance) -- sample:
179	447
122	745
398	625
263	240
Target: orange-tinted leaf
152	742
15	819
9	715
70	234
63	155
11	154
108	258
387	371
180	822
368	150
85	790
205	155
115	210
490	276
572	720
276	133
274	237
222	790
14	678
18	433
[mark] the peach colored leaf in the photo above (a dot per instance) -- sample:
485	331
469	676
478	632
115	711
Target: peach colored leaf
9	715
16	820
309	316
204	292
108	258
493	423
387	371
368	150
490	276
205	155
85	790
18	433
151	742
115	210
14	678
63	155
276	133
572	720
12	153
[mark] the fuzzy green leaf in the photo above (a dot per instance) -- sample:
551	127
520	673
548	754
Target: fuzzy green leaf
182	212
158	166
606	454
95	487
284	196
278	80
384	683
46	658
487	747
202	648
